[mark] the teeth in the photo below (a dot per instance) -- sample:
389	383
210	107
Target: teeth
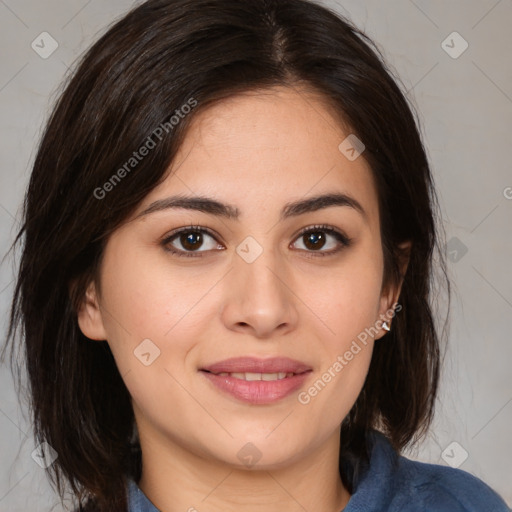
273	376
252	376
257	376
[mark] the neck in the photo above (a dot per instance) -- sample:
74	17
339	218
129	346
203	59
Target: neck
175	479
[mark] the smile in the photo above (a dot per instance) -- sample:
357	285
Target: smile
256	388
257	376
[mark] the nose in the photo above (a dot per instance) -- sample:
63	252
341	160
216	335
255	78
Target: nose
259	298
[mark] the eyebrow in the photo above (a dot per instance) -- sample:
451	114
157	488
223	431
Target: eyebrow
293	209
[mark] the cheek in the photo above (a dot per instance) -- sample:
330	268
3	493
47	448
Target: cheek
346	299
144	297
348	306
143	301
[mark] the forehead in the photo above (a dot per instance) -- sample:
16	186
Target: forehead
264	148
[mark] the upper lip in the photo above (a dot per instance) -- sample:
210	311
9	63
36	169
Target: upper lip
256	365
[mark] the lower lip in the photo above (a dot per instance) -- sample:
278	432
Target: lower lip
257	391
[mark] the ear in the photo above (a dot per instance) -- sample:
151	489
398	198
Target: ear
89	315
390	295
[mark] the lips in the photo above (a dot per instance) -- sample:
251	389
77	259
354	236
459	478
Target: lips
257	381
254	365
257	392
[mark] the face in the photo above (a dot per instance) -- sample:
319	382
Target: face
264	280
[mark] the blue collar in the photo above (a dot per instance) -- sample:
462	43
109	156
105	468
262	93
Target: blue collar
137	500
393	483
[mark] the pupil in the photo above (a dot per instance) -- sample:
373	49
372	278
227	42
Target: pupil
191	240
315	238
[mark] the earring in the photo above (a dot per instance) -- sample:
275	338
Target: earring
385	326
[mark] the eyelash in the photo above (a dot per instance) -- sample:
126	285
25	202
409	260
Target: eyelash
340	237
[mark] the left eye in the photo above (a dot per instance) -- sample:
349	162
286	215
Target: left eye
313	239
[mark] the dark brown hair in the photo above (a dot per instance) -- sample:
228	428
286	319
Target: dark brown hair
139	73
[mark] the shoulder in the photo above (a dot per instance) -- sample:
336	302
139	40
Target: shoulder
443	488
397	484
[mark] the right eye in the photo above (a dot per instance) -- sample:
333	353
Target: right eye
190	239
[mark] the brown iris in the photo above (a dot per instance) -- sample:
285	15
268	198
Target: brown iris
316	239
191	240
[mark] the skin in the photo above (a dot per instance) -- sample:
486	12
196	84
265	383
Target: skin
257	152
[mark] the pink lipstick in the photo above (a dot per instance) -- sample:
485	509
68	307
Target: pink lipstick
257	381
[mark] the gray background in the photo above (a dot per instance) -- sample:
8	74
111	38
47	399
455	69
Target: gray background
465	106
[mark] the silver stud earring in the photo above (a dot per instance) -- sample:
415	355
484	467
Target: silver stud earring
385	326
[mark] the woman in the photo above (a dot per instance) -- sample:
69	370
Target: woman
225	285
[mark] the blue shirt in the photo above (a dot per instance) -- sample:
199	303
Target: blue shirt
410	486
